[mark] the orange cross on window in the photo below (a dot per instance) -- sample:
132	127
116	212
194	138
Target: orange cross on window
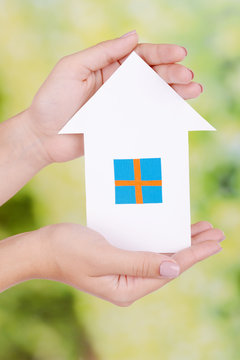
138	183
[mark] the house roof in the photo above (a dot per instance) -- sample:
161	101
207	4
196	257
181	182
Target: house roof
135	96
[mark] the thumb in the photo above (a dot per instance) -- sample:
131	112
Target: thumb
142	264
107	52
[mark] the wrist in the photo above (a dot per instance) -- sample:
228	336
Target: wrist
21	259
29	142
22	155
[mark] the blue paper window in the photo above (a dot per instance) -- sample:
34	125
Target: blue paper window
138	181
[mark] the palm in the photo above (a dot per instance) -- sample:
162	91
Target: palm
121	289
124	289
57	101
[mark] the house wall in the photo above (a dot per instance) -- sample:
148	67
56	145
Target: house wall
162	227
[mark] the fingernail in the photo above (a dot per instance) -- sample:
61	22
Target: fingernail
217	251
169	269
201	87
185	50
223	237
192	73
128	34
211	251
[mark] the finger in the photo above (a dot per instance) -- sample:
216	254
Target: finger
155	54
188	91
171	73
199	227
196	229
140	264
197	252
107	71
210	234
185	258
174	73
104	53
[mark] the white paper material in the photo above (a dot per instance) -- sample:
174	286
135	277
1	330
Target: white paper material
136	115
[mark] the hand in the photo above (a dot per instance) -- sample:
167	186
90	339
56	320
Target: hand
82	258
77	77
30	140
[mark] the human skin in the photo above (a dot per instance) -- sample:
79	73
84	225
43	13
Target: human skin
71	253
30	140
82	258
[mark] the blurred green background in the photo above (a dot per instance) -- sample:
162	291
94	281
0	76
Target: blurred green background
198	315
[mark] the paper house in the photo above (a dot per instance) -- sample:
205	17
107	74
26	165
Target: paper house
136	159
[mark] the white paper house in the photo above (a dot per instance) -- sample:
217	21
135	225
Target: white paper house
137	115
